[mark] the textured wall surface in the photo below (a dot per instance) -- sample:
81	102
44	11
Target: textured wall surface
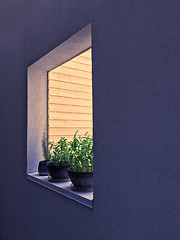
136	85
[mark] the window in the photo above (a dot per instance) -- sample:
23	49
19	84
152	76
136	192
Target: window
60	100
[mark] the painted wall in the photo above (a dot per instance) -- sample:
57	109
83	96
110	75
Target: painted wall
136	56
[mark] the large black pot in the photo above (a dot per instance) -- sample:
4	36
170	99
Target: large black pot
58	172
81	179
42	168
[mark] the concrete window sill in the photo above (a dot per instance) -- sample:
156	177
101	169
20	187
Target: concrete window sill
63	188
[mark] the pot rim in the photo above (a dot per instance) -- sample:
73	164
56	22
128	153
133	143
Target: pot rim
62	166
70	170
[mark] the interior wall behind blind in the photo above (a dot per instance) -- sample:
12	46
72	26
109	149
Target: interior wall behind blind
70	98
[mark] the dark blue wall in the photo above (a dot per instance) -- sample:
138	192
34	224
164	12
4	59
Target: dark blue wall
136	76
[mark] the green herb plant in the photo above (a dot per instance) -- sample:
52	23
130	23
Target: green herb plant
60	152
81	153
45	149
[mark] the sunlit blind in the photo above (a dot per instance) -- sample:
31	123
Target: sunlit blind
70	98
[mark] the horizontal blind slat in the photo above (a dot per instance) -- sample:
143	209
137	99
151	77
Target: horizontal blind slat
78	66
70	86
69	108
68	78
66	93
69	116
68	123
73	72
68	131
69	100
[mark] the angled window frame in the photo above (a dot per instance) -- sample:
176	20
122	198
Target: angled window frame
37	107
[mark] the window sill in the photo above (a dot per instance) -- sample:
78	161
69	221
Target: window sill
63	188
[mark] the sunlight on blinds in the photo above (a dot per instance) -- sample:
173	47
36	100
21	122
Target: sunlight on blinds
70	98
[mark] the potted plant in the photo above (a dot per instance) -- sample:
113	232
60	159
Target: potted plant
59	160
42	167
81	154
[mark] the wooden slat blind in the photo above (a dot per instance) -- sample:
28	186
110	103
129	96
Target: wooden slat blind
70	98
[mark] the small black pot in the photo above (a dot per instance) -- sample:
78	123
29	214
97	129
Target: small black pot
42	168
81	179
58	172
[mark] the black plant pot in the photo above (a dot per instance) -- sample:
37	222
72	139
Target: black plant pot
42	168
81	180
58	172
